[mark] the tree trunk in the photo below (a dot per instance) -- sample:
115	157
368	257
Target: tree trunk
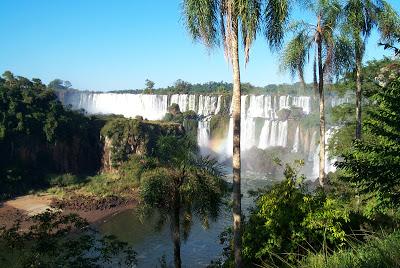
176	232
358	97
237	211
321	115
315	81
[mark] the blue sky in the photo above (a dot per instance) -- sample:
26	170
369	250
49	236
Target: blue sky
110	45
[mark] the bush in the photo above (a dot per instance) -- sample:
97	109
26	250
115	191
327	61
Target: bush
63	180
378	252
288	221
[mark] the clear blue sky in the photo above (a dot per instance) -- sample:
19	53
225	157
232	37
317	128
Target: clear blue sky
109	45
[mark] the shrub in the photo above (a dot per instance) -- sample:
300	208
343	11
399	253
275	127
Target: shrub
288	221
378	252
63	180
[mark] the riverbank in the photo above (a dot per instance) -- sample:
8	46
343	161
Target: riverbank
93	210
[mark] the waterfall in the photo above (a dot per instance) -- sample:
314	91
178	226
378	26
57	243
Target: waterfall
296	142
247	132
256	109
329	163
264	136
302	102
282	133
203	135
312	146
272	135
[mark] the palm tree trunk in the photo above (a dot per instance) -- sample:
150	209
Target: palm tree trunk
321	115
358	97
315	81
237	210
176	232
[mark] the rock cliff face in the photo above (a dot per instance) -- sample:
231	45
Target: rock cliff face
77	154
122	138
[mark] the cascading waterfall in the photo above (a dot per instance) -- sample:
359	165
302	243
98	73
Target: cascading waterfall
296	142
312	147
203	135
260	128
329	163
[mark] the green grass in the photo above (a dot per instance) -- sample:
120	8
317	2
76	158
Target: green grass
101	185
377	253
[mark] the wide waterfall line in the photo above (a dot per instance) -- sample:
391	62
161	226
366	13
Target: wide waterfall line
262	124
154	106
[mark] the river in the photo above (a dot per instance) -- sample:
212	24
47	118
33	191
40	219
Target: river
202	245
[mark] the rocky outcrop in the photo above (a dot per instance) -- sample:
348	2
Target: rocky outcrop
125	137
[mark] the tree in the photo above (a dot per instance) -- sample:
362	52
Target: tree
149	85
67	84
182	86
182	182
56	84
320	38
360	18
373	163
213	21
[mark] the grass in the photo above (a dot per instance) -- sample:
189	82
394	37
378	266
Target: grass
377	253
101	185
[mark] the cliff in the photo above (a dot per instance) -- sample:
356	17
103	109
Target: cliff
124	137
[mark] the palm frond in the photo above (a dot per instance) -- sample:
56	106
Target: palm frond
295	55
202	20
276	19
250	18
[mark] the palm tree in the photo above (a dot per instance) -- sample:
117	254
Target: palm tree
220	21
180	182
360	18
320	38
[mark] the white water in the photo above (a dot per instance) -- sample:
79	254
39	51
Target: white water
154	107
203	135
256	109
296	142
329	163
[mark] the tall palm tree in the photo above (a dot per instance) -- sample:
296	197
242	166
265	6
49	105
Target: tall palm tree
220	21
180	182
320	38
360	18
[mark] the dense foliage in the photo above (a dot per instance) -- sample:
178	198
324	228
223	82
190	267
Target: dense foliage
39	136
183	87
380	251
373	163
188	119
288	221
134	136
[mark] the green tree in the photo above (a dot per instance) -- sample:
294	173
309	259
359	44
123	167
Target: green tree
360	18
67	84
149	86
373	164
320	38
56	84
182	86
180	185
288	221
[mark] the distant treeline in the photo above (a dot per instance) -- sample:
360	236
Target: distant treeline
183	87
